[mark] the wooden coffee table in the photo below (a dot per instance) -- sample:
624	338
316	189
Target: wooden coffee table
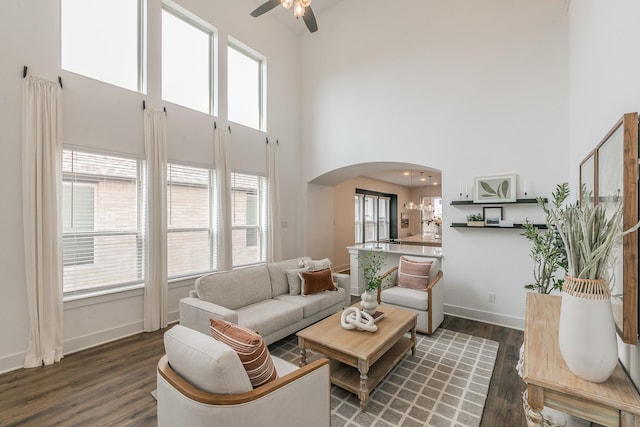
359	359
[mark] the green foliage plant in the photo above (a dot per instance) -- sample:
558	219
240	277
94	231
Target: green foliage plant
547	249
475	217
371	266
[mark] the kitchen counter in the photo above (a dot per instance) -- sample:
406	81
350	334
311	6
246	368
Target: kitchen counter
421	239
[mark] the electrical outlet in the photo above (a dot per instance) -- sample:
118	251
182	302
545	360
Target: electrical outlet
492	297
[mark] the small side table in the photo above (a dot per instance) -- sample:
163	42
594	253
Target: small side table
613	403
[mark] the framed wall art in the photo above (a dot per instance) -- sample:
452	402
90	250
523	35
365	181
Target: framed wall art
494	189
492	216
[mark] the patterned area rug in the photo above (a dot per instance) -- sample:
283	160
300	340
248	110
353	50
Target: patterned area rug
444	384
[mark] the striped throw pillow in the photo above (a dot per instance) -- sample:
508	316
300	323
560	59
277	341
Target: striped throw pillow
251	349
414	274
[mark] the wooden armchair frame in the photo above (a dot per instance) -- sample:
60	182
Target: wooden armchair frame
197	395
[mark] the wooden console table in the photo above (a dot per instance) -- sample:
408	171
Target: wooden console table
550	383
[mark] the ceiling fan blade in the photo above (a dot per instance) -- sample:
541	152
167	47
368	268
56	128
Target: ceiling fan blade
310	20
265	7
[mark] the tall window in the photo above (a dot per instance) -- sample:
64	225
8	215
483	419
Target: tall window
249	218
187	60
104	40
103	221
245	91
190	240
372	216
383	218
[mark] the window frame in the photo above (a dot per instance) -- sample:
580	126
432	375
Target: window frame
139	232
211	229
360	200
141	47
237	45
261	225
189	18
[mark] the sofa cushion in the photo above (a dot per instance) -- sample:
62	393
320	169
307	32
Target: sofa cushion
315	282
316	265
237	288
207	364
268	316
278	274
312	304
405	297
414	274
251	349
295	282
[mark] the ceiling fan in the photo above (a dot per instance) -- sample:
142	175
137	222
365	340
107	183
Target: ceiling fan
301	8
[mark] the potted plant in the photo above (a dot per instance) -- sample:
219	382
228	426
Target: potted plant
475	220
587	334
371	265
547	251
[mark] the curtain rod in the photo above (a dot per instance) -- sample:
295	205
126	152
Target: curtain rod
24	74
144	107
215	126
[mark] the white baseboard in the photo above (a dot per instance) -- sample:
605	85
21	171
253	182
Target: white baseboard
102	337
485	316
13	362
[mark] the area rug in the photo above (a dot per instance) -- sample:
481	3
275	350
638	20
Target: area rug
444	384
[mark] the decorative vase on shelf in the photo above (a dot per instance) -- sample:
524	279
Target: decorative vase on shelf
587	332
369	301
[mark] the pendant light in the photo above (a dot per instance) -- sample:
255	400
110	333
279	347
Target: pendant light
411	205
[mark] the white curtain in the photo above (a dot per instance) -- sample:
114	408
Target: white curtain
155	290
274	235
42	222
221	141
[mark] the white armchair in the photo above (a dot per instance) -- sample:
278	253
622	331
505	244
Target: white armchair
427	304
201	382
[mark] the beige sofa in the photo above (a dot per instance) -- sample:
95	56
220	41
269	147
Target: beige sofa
258	298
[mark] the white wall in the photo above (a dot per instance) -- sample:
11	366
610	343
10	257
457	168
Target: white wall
470	88
604	85
100	116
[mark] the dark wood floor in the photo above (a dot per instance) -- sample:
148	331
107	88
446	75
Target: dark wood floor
110	385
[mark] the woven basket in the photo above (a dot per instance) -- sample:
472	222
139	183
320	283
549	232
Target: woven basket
586	288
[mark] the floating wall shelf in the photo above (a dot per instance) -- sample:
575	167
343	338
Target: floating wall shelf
518	201
515	225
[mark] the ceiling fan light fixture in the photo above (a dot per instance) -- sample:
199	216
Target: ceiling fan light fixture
298	9
287	3
305	3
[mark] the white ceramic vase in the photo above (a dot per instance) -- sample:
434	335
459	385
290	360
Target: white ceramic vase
587	332
369	301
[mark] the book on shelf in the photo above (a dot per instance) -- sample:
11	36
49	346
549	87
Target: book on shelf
377	316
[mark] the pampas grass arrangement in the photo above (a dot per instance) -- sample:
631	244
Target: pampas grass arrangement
589	234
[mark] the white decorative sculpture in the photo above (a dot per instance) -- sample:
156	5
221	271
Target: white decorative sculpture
353	317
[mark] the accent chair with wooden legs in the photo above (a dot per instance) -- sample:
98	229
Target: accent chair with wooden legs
416	284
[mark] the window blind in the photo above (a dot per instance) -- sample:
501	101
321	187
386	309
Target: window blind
249	218
103	221
190	240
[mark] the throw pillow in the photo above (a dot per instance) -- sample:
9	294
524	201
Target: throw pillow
295	283
314	282
251	349
316	265
414	274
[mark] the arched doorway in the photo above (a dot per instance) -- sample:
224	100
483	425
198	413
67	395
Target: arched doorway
332	201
